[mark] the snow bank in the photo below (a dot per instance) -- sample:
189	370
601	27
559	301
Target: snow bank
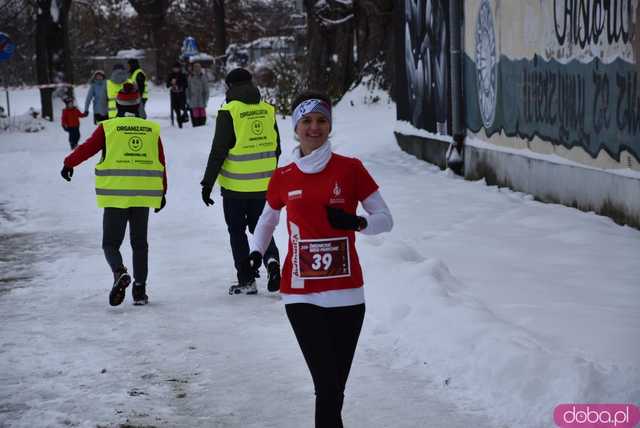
481	355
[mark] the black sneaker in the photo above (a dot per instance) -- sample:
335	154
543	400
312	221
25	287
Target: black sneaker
139	293
121	281
244	288
273	270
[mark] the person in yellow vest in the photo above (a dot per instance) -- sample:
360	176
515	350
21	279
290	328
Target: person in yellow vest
114	84
137	76
244	154
130	178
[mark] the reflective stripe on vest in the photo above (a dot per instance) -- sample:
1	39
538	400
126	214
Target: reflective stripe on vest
132	79
127	173
131	174
115	192
246	176
112	92
252	160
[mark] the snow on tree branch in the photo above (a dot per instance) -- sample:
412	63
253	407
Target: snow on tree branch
327	21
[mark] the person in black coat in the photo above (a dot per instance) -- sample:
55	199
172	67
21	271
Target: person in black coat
178	83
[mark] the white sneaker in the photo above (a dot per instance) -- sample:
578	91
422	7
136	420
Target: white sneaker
248	288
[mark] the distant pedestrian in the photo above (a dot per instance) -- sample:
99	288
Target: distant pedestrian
98	94
138	76
71	121
114	84
130	179
198	95
177	83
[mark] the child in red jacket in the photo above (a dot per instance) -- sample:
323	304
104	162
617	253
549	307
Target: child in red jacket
71	121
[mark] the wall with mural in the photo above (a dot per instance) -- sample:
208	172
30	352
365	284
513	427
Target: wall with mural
555	76
423	73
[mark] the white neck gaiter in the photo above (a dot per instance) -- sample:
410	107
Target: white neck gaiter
315	161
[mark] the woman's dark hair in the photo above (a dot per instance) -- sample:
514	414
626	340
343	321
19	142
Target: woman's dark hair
310	95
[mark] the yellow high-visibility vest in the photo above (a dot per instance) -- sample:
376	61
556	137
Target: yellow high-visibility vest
251	162
112	92
130	175
132	79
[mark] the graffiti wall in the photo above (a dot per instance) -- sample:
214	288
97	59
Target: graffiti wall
556	76
423	74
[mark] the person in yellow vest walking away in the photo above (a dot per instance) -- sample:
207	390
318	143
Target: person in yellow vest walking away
244	154
137	76
130	178
114	84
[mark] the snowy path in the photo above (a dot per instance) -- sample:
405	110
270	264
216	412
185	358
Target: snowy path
481	303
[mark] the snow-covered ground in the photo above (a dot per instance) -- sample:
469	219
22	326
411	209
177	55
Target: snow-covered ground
485	308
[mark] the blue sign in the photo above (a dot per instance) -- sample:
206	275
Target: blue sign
189	47
7	47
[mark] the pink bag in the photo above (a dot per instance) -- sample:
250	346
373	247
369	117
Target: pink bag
198	112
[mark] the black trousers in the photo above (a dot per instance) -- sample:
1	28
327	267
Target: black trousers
240	214
97	118
74	137
114	224
179	108
328	339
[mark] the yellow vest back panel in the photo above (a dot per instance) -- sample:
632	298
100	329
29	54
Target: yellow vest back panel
251	162
112	93
131	174
132	79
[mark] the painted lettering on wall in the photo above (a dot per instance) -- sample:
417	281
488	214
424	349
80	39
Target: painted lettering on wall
588	29
584	22
595	106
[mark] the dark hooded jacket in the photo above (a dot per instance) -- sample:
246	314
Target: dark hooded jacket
141	79
224	139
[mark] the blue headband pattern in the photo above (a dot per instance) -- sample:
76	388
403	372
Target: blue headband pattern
311	106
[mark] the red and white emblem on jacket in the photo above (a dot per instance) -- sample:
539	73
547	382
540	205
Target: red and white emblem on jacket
337	191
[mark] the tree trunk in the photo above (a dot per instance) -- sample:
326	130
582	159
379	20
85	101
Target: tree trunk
52	51
329	66
220	43
43	22
375	38
152	15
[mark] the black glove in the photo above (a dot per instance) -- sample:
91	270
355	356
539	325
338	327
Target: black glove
339	219
162	204
251	264
206	195
66	173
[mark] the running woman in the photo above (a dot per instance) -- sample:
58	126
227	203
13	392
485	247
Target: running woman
321	283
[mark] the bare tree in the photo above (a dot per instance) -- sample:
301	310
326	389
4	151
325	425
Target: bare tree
330	39
52	49
375	39
152	15
220	44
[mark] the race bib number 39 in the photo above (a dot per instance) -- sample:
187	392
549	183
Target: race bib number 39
323	258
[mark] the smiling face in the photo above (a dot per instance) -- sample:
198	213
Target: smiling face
312	131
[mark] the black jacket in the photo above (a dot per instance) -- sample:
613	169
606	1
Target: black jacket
224	140
141	80
181	81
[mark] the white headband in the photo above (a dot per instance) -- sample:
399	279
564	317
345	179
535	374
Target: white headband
311	106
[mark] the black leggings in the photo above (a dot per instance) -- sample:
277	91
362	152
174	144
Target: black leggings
328	339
